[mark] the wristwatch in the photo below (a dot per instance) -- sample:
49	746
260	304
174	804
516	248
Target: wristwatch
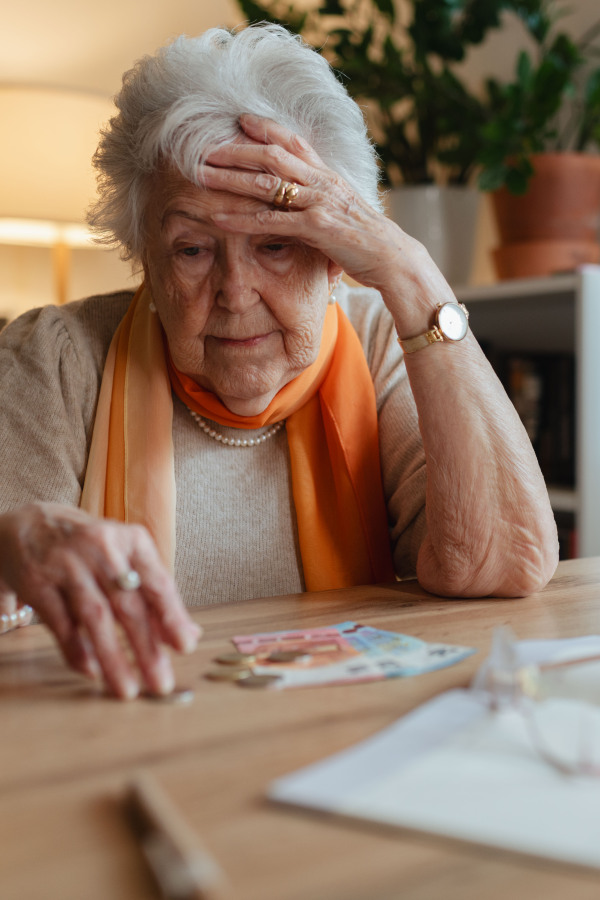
451	324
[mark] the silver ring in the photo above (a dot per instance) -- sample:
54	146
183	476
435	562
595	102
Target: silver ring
129	581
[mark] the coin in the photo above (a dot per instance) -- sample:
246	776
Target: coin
259	681
177	696
284	656
235	658
227	673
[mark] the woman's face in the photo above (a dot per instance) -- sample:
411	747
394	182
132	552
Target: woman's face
242	313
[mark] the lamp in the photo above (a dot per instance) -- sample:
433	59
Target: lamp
46	177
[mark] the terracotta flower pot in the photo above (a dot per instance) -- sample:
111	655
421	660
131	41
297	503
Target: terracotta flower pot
556	222
531	259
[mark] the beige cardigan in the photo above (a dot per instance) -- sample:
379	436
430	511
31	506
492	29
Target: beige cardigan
235	522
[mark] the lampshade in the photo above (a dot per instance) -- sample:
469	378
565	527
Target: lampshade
48	139
47	182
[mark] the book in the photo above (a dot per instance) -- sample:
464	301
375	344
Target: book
542	389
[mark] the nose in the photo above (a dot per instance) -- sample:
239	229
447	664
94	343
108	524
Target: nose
234	287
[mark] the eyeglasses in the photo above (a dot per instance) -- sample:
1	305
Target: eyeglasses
559	700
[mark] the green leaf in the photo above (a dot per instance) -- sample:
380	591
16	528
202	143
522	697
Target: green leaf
517	181
592	91
537	16
524	68
589	129
491	179
423	113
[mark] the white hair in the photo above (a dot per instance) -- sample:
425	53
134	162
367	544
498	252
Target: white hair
189	96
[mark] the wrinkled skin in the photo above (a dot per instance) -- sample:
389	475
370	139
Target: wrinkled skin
241	289
65	564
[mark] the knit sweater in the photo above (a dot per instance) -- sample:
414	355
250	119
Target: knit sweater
236	533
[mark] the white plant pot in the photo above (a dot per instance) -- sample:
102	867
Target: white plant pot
444	219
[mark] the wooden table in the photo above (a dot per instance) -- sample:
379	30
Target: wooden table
67	752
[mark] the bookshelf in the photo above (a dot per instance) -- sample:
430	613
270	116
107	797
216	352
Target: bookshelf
554	318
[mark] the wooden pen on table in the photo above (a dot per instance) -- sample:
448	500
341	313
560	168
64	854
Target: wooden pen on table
181	866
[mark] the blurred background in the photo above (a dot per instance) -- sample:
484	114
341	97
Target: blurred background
60	65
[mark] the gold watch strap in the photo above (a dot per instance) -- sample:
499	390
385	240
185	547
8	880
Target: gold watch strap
411	345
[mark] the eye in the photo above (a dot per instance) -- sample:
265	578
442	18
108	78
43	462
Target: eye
276	246
190	251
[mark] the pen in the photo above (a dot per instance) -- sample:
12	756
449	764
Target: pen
181	866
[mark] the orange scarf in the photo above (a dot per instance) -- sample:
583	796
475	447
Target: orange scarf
331	423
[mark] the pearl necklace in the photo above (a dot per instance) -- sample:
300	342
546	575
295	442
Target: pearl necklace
236	442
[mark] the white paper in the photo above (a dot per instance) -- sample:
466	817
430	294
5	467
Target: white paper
454	768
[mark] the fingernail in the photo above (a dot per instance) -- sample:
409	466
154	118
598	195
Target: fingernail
190	641
165	681
92	669
131	689
250	118
26	615
267	182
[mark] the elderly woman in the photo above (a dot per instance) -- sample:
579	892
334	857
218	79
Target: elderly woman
246	424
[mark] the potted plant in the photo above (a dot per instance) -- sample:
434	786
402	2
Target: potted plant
426	123
537	152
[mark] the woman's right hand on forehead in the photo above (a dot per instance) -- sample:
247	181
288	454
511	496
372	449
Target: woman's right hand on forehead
69	567
325	212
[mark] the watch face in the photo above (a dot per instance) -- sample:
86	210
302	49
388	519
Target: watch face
452	321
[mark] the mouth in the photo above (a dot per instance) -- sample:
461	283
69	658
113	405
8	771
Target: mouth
254	340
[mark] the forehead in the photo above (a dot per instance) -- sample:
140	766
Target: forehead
173	198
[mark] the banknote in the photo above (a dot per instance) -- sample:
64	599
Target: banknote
343	653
